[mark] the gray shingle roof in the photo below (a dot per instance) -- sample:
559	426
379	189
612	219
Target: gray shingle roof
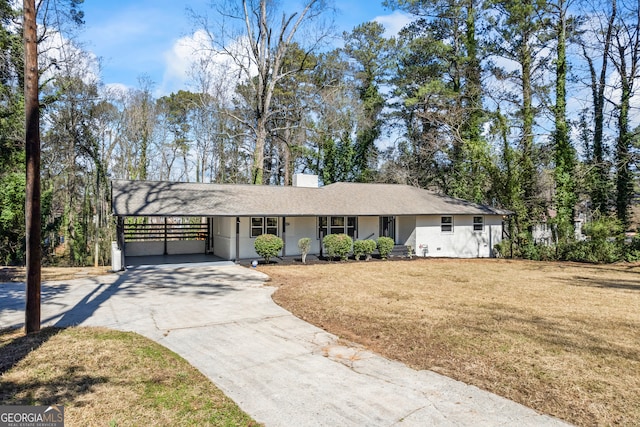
159	198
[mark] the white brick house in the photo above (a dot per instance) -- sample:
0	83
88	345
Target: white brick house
226	218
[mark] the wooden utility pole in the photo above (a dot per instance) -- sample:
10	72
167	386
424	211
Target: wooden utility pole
32	148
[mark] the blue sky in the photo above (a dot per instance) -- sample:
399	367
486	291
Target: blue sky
135	38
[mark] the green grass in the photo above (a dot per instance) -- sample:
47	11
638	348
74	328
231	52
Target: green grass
105	377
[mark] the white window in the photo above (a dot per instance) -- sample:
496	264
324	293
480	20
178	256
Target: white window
271	226
257	226
446	224
478	223
337	225
267	225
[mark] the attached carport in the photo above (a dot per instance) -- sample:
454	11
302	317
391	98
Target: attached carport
159	227
175	218
171	218
163	240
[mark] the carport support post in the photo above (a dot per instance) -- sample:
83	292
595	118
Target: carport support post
237	238
165	235
120	233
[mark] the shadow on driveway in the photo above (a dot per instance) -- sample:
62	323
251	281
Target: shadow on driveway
145	284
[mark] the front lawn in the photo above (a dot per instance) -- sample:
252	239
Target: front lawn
561	338
109	378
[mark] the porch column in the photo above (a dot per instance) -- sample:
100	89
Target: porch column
284	236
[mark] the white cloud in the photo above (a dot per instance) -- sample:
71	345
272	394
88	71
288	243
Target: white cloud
119	88
58	55
179	58
394	23
197	48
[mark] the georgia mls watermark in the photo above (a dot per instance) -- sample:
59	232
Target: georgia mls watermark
32	416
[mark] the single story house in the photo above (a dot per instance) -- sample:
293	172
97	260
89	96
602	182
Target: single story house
225	219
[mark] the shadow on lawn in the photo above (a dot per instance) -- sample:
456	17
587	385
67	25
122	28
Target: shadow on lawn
577	336
16	349
64	387
624	284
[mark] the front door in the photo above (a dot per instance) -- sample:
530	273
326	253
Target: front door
388	227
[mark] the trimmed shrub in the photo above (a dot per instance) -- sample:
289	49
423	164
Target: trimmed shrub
364	248
268	246
305	246
385	246
338	245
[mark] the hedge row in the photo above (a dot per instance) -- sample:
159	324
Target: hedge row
341	245
336	245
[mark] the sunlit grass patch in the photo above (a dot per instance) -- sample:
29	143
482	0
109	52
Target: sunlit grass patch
106	377
562	338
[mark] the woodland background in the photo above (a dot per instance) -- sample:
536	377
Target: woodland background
529	106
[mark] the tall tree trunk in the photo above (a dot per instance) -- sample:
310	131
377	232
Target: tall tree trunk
32	146
626	58
526	142
257	173
599	193
474	76
473	125
624	183
563	151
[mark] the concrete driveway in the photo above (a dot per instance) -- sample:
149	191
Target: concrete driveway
276	367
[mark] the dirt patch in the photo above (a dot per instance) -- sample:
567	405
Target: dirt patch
18	274
561	338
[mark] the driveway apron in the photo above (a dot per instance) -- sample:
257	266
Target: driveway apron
277	368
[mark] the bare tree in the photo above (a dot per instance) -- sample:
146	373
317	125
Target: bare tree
625	58
602	34
257	49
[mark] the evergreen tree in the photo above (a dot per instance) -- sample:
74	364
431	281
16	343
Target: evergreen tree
518	35
12	160
445	41
564	152
369	50
625	57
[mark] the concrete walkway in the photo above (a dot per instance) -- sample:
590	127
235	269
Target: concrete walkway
276	367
